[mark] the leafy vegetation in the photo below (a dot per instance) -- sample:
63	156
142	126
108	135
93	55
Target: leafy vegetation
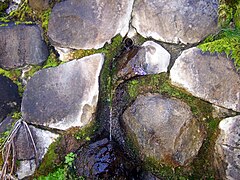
228	39
59	174
69	159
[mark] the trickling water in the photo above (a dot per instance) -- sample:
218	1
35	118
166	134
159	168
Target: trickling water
110	123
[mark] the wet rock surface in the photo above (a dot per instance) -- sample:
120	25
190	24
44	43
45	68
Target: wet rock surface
65	96
227	149
9	97
150	58
21	45
165	129
174	21
88	24
102	160
210	77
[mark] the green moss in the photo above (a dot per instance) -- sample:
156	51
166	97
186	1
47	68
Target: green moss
85	133
52	61
17	115
59	174
32	71
44	16
48	163
165	171
14	75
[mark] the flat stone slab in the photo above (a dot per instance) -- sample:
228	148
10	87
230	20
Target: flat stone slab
21	45
164	129
227	148
175	21
209	77
65	96
88	24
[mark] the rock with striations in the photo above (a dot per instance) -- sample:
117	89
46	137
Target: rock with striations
21	45
65	96
175	21
227	149
210	77
9	97
164	129
88	24
150	58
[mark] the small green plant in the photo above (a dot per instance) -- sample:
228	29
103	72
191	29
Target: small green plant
59	174
69	159
228	39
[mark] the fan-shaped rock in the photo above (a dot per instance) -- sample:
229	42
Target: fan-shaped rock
64	96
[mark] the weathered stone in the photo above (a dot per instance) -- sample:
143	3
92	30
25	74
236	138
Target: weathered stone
24	145
9	97
6	125
26	168
39	4
64	96
151	58
21	45
227	149
102	159
88	24
187	21
25	150
210	77
165	129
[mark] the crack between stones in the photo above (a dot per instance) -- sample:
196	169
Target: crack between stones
229	146
45	128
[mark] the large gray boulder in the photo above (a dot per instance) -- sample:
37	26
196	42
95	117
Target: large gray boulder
9	97
88	24
165	129
227	148
64	96
187	21
150	58
210	77
21	45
